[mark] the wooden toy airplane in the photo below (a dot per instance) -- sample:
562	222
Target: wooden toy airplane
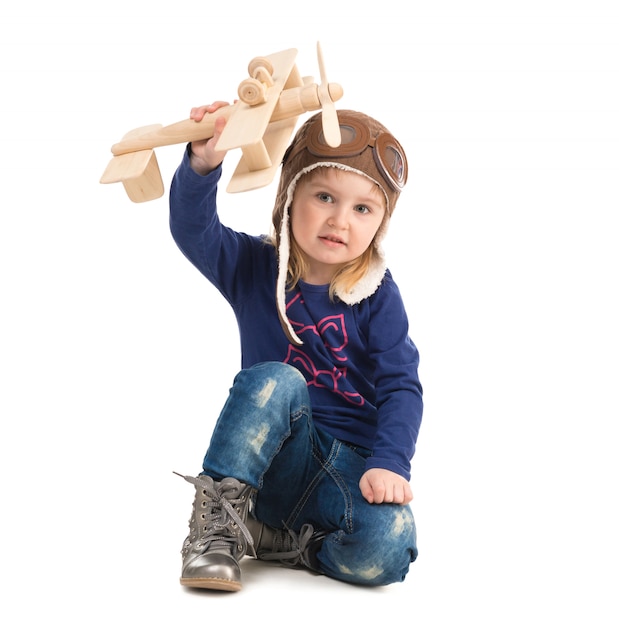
261	123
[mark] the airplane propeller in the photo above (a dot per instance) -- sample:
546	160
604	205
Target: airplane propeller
330	122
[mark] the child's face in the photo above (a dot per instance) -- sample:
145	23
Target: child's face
334	217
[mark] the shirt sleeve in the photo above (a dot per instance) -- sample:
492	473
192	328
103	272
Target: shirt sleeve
224	256
399	400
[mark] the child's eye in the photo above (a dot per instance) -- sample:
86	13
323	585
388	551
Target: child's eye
325	197
361	208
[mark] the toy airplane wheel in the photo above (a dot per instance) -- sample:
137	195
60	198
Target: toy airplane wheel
252	92
260	67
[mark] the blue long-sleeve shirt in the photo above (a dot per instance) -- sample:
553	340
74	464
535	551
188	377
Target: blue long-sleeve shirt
358	360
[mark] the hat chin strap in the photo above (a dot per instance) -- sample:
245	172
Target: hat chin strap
283	255
363	289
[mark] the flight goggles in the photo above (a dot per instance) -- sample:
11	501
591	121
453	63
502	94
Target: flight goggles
388	155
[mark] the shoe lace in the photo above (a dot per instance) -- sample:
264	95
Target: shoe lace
221	513
290	547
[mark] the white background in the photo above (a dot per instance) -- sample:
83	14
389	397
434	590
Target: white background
117	355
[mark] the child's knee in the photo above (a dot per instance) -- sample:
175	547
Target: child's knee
279	371
274	380
371	556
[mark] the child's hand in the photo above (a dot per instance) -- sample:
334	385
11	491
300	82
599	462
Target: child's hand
381	485
204	157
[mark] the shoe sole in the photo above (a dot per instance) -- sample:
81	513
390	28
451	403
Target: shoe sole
221	584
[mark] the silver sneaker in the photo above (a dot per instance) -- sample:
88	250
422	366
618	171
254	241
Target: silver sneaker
218	537
286	546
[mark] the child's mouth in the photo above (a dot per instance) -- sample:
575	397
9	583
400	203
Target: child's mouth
334	241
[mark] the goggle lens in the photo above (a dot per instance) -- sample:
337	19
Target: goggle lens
391	159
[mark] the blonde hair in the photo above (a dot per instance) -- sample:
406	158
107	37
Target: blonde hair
347	276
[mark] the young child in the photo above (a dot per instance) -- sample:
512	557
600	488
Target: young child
309	461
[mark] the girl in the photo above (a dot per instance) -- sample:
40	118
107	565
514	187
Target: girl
309	461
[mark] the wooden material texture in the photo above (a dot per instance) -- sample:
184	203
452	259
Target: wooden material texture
260	127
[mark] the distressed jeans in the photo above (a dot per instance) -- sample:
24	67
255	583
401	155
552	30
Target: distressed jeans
266	438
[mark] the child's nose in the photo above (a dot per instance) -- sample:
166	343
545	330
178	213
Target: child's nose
338	219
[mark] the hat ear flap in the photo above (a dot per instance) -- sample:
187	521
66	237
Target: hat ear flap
283	257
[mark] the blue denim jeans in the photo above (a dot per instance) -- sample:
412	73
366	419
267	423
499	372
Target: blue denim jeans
265	437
